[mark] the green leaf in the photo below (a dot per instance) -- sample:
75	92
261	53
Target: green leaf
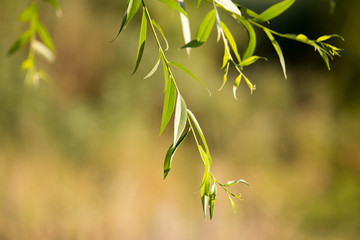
169	103
198	128
212	198
132	8
231	40
170	153
142	40
250	85
233	182
250	48
225	75
153	70
277	49
161	32
232	203
174	5
251	60
274	11
193	44
205	184
20	42
326	37
247	11
178	65
180	118
185	24
29	13
205	27
236	85
45	36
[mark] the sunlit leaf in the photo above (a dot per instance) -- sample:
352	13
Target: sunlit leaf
20	42
142	40
198	128
277	49
161	32
247	11
45	36
233	182
29	13
251	45
205	27
212	197
232	203
169	103
174	5
185	24
217	18
132	8
170	153
205	184
236	85
231	40
274	11
250	85
229	6
225	75
43	51
178	65
251	60
326	37
153	70
180	118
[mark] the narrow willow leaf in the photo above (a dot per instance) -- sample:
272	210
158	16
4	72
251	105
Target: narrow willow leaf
205	27
325	57
45	36
205	184
142	40
43	51
28	63
236	85
217	18
193	44
250	85
277	49
169	103
29	13
20	42
326	37
212	198
274	11
178	65
198	128
226	57
247	11
251	60
231	40
132	8
180	118
229	6
161	32
233	182
250	48
225	75
153	70
232	203
170	153
174	5
185	25
166	72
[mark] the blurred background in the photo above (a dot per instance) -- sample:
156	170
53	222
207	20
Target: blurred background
80	156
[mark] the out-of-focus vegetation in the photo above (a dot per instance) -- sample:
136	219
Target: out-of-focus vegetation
80	156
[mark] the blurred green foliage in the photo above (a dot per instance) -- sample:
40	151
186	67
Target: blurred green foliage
80	157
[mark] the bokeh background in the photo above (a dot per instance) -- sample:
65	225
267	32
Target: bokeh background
80	156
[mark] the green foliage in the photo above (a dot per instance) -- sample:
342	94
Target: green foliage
231	57
44	48
184	120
